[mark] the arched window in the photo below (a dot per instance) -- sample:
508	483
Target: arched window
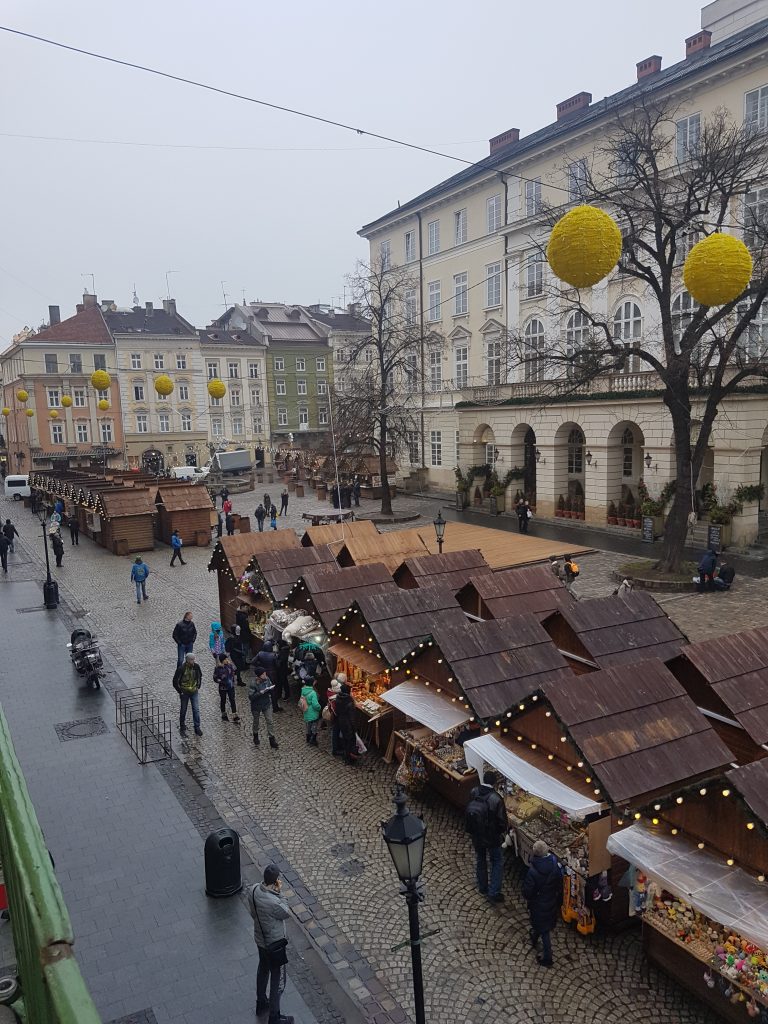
534	350
576	339
575	452
683	308
628	444
753	344
627	331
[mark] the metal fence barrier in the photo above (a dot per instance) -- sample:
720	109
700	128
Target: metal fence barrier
52	989
144	724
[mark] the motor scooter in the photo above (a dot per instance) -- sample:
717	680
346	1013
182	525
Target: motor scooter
86	657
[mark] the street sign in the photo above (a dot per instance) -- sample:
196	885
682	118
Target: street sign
714	537
647	533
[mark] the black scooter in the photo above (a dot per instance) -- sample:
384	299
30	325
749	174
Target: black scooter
86	657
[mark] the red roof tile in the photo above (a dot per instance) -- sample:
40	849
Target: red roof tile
85	328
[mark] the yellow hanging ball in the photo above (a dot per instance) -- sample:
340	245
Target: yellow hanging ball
217	388
717	270
100	380
6	411
30	412
22	395
103	404
163	384
584	247
66	401
53	414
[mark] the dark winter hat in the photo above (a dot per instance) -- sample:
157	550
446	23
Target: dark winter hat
223	657
490	778
137	559
271	874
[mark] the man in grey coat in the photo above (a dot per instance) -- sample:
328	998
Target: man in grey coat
269	912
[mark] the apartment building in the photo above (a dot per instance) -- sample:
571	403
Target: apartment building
346	331
240	360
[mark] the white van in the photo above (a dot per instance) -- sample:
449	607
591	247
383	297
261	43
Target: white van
17	487
183	472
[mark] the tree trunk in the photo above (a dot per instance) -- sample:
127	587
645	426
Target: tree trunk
676	528
386	496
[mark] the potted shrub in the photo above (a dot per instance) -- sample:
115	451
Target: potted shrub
629	515
577	511
496	499
560	510
613	518
720	516
621	514
568	508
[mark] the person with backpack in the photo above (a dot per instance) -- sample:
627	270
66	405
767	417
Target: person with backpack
522	525
187	680
224	677
260	515
309	705
571	570
329	712
177	543
273	518
230	524
184	636
543	892
260	697
707	567
237	650
486	822
216	640
345	716
139	573
10	532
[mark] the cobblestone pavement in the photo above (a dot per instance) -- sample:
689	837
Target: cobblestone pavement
321	820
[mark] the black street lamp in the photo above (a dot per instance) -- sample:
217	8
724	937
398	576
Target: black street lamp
404	835
439	525
50	587
648	460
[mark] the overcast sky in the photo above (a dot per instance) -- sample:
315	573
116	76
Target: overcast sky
278	220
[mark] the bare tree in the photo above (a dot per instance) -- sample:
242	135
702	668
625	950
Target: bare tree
668	189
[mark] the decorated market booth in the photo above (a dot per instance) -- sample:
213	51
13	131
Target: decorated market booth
500	595
336	534
122	519
391	549
326	592
186	508
272	574
451	570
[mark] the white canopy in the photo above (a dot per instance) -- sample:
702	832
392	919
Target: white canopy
488	749
425	706
728	895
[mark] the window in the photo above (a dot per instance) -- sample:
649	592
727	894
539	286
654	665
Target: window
233	370
303	417
106	431
534	350
534	275
533	197
78	398
458	446
322	416
57	433
493	285
340	355
491	454
135	360
159	361
576	336
627	329
217	402
322	386
217	426
368	356
138	393
577	179
460	296
685	239
575	452
436	444
687	133
280	386
433	289
186	421
165	423
212	369
142	425
282	416
83	432
433	237
301	365
493	360
435	370
181	361
493	213
683	308
54	398
75	362
253	371
461	365
385	254
412	439
235	396
320	365
258	425
460	227
628	445
411	371
301	386
756	217
255	396
410	246
410	307
183	392
753	344
99	362
279	363
237	426
51	363
102	396
756	109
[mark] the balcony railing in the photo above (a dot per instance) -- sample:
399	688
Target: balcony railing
52	988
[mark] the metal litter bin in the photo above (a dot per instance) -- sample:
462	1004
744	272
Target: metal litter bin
222	863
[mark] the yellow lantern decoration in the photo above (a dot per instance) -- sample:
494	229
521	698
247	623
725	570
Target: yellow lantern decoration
100	380
53	414
717	270
66	401
163	384
584	247
6	411
30	412
103	404
217	388
22	395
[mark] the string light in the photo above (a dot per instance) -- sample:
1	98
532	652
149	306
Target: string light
726	792
750	825
700	845
674	831
637	816
679	800
702	792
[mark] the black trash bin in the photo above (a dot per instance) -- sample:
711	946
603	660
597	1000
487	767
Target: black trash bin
222	863
51	594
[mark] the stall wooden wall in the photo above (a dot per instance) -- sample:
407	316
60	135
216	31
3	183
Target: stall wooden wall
134	531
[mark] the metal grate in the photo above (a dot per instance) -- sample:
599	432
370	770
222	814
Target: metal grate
81	729
144	724
140	1017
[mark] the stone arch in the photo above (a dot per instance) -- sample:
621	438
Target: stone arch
570	467
523	456
485	448
624	456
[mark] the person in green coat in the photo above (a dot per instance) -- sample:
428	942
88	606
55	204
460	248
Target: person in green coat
310	705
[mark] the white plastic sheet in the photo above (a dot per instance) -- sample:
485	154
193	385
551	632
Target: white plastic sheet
425	706
725	894
488	749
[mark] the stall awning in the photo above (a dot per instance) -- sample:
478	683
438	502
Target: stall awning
367	662
425	706
727	895
488	749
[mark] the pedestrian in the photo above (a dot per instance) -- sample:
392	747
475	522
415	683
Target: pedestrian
177	543
345	714
74	529
226	507
184	636
273	518
235	647
260	514
260	697
139	573
330	713
269	912
219	527
356	491
486	822
310	707
10	532
58	547
282	690
725	577
223	494
707	567
216	640
335	495
267	501
527	517
224	677
543	892
58	507
230	520
267	660
4	546
624	588
571	571
284	502
187	680
242	620
520	510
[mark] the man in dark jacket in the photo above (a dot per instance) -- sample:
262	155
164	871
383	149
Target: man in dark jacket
236	648
487	824
187	680
265	659
281	671
725	577
184	634
58	547
269	911
260	514
4	545
10	532
707	570
543	892
259	694
345	716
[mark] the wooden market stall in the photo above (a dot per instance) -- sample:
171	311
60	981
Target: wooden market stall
230	559
272	574
186	508
336	534
451	570
122	519
509	592
392	549
368	468
326	593
500	549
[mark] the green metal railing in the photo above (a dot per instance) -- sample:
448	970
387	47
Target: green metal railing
52	988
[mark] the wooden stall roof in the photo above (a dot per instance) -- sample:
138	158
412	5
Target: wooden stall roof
367	465
614	630
397	622
391	549
335	534
502	661
510	592
234	553
451	569
332	591
119	502
280	570
638	729
183	497
751	783
500	549
736	667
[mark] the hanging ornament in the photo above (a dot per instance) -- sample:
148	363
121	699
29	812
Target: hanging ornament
6	411
100	380
163	384
717	269
217	388
30	412
103	404
66	401
53	414
584	246
22	395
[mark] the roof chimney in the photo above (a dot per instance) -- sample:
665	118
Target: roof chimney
649	66
573	105
54	315
89	301
169	305
149	309
80	308
498	141
696	44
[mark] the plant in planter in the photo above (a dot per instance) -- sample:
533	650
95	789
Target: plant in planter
612	516
629	515
578	504
560	510
568	508
746	493
621	514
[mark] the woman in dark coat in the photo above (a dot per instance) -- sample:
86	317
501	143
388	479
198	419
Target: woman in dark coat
543	892
345	716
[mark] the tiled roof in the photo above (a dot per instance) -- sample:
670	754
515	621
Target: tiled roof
84	328
344	322
136	321
218	336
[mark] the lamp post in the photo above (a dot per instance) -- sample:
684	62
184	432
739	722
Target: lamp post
51	586
439	525
648	460
404	835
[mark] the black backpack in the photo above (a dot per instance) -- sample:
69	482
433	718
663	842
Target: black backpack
478	819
